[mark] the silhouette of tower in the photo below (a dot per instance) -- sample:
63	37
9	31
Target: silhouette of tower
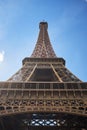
43	94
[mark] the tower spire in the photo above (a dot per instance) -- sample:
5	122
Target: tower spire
43	48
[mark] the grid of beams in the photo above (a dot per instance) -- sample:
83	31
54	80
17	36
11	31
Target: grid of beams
61	73
53	97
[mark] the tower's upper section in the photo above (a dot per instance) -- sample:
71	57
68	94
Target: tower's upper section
43	65
43	48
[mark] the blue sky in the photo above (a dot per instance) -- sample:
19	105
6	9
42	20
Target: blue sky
19	28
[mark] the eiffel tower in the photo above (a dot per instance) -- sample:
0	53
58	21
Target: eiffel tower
43	94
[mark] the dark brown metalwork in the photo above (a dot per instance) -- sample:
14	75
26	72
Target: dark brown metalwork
43	94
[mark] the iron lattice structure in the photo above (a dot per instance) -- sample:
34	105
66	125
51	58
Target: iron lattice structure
43	94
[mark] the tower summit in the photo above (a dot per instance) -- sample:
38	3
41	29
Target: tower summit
43	94
43	48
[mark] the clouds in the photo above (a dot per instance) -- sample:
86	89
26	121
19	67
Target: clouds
85	1
2	56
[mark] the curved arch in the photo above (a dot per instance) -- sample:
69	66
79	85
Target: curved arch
57	120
